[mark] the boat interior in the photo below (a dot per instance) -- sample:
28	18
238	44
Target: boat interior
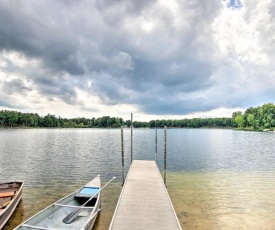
7	193
51	217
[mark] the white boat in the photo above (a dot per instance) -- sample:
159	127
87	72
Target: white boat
83	203
10	195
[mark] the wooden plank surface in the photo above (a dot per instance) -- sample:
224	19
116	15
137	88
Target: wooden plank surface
144	202
6	194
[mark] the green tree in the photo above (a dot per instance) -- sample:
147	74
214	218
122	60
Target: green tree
235	114
239	119
250	119
256	124
12	118
47	121
2	118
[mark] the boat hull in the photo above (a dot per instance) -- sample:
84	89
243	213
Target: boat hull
52	216
6	188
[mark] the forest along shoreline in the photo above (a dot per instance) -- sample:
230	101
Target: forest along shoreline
261	118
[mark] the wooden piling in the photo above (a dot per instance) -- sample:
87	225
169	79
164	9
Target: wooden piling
131	137
165	156
122	156
156	144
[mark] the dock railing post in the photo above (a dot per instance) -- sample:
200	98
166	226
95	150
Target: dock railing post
131	138
122	155
156	144
165	151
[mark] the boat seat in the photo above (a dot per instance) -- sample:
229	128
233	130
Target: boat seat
6	194
87	192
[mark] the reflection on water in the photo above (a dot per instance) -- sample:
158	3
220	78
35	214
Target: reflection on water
217	179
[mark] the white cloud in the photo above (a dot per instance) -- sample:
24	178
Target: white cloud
154	58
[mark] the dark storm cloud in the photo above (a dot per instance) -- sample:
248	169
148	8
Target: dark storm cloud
162	58
15	86
169	107
117	12
60	86
4	103
27	28
165	61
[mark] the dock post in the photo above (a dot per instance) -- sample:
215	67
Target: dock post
122	155
131	137
156	144
165	150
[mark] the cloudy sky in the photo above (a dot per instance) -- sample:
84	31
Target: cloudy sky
154	58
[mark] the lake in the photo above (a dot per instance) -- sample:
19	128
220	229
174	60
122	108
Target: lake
216	178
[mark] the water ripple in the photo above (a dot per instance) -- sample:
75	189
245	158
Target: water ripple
217	179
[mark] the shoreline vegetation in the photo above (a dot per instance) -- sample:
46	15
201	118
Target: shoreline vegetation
260	118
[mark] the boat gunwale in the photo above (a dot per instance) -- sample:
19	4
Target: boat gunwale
95	209
14	202
90	219
73	206
52	205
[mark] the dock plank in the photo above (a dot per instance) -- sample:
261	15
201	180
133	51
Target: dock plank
144	202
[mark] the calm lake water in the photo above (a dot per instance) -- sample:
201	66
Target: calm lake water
217	179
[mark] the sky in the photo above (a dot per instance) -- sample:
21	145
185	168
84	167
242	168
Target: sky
157	59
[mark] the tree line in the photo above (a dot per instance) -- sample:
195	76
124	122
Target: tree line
258	118
15	119
18	119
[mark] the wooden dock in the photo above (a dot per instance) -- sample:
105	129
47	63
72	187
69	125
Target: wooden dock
144	202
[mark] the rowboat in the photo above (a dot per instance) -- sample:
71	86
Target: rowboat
10	195
86	200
